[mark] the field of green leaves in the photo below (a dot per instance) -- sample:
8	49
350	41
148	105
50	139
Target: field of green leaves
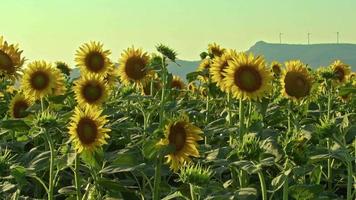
236	128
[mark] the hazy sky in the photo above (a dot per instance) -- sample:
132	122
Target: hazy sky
53	29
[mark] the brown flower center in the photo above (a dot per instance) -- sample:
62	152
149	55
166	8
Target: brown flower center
248	79
6	63
39	80
95	61
276	69
216	52
296	85
136	68
176	84
339	73
87	131
19	110
92	92
177	136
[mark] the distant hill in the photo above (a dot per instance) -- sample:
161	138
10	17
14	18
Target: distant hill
314	55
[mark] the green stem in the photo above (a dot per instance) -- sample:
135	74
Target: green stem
289	119
263	185
329	166
51	167
349	180
286	183
229	116
192	195
157	180
242	119
207	115
76	177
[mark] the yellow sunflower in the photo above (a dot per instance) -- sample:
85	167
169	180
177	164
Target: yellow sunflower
87	130
39	80
91	58
341	71
60	86
247	77
177	83
204	66
10	60
296	80
91	89
133	67
192	87
215	50
183	136
218	66
276	68
18	106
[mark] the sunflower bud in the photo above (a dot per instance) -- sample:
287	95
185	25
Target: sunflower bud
195	174
166	51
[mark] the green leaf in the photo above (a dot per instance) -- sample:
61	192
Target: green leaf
315	176
305	192
14	124
246	194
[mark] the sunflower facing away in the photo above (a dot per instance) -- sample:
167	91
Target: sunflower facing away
90	89
340	70
296	81
177	83
276	68
204	66
247	77
133	67
87	130
91	58
18	106
219	65
183	136
215	50
10	60
39	80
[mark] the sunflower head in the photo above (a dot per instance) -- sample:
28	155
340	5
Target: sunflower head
183	137
215	50
177	83
276	68
10	60
192	87
18	106
86	130
296	80
219	64
91	58
39	80
341	71
91	89
247	77
204	68
134	67
63	67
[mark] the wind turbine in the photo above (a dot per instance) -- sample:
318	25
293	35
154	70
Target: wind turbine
337	37
309	38
280	38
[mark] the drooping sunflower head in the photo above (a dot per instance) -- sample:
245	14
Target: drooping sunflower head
218	66
18	106
341	71
183	136
134	67
215	50
276	68
204	67
86	130
10	60
177	83
91	58
63	67
38	80
247	77
91	89
296	80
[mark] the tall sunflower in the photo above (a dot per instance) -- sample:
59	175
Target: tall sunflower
215	50
133	67
276	68
91	58
18	106
204	66
247	77
218	66
341	71
38	80
296	80
10	60
177	83
91	89
87	130
183	136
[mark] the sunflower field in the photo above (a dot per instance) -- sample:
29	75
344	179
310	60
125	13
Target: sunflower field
126	128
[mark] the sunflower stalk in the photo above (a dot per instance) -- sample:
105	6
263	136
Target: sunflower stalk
263	184
228	101
77	177
51	166
192	192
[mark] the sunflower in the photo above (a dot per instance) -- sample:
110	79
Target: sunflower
63	67
341	71
192	87
215	50
87	130
219	65
91	58
247	77
60	87
204	66
183	136
134	67
10	60
18	106
276	68
39	80
156	86
177	83
91	89
296	80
